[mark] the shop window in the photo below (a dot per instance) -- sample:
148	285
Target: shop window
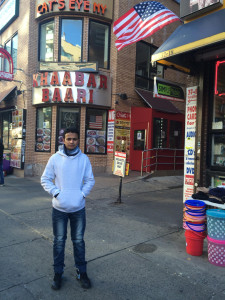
43	129
6	129
67	117
12	47
71	40
176	141
145	72
46	41
99	44
96	131
139	140
217	133
160	133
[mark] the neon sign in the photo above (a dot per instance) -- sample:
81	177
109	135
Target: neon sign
6	75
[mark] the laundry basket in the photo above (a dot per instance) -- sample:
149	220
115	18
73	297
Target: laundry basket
216	252
216	223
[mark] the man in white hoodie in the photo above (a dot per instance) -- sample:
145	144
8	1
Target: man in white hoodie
69	179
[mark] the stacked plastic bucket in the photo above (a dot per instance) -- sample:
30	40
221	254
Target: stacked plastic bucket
194	223
216	236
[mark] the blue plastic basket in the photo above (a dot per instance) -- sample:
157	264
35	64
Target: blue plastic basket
216	223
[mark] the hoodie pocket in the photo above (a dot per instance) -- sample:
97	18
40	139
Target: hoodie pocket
69	200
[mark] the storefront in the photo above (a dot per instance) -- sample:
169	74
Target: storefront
199	46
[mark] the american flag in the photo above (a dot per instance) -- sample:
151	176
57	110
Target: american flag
141	21
95	122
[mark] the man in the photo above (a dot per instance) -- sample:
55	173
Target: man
69	179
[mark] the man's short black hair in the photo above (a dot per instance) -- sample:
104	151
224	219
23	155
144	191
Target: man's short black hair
71	130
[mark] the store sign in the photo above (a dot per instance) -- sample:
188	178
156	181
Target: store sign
190	135
6	56
122	132
167	90
72	87
8	13
110	134
102	7
191	8
119	164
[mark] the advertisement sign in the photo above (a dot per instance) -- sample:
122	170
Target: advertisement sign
103	8
110	134
119	164
167	90
72	87
122	132
190	134
195	7
9	11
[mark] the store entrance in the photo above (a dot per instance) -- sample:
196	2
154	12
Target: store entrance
139	143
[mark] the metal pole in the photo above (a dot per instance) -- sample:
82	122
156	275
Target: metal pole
120	191
142	162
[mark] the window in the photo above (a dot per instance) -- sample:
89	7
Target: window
44	129
99	44
160	133
46	41
71	40
6	128
145	72
218	119
176	141
96	131
12	47
67	117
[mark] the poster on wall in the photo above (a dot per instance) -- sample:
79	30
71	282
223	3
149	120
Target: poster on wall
190	134
110	133
122	132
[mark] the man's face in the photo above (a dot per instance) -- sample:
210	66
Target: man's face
71	140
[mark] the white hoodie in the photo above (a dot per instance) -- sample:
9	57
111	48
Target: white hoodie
73	180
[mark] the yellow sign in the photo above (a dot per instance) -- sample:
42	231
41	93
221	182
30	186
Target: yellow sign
119	167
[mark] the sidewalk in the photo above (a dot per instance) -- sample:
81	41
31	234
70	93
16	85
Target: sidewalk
135	250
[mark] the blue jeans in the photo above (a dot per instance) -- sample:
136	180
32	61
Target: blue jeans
77	228
1	173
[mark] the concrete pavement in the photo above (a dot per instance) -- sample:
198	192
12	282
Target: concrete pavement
135	250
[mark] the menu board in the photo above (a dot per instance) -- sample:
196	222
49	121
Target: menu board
43	139
17	153
17	124
95	141
122	133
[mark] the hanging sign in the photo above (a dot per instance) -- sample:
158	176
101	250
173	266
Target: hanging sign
110	135
167	90
190	133
119	164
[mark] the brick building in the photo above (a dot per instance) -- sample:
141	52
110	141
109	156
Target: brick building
68	72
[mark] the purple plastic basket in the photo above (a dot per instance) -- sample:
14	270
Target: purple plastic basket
216	252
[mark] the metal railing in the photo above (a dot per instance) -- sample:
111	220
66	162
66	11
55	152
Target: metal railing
153	158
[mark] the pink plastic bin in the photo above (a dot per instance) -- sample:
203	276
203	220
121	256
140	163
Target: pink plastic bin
216	252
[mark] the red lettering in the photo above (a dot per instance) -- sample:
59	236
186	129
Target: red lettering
79	81
90	96
67	79
69	95
91	80
55	79
56	96
103	82
45	95
81	95
79	3
45	8
96	7
103	9
44	79
39	9
35	83
51	4
62	3
71	3
86	5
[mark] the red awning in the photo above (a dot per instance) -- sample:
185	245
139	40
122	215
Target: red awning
6	93
157	103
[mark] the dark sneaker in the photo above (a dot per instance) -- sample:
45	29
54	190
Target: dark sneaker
84	280
56	285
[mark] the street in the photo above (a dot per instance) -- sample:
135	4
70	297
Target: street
135	250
